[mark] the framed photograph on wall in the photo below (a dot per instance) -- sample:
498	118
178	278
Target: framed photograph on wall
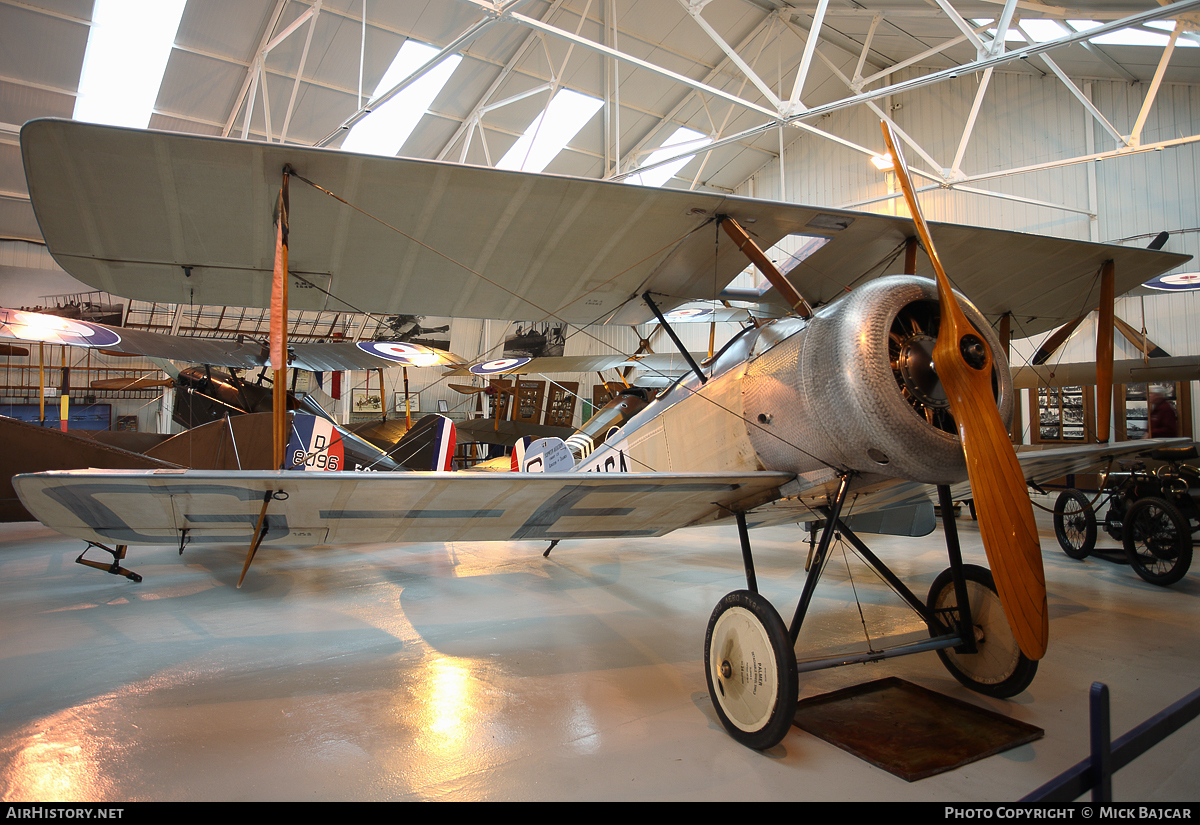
365	401
414	402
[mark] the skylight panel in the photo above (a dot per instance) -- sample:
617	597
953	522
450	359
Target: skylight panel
550	131
1131	37
384	131
127	50
750	285
659	175
1010	36
1169	26
1044	30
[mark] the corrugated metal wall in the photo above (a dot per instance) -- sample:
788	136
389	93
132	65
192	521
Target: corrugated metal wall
1027	120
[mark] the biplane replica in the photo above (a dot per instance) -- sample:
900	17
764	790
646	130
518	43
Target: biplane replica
879	385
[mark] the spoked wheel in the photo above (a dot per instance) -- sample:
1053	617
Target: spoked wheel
1158	541
998	668
1075	524
750	665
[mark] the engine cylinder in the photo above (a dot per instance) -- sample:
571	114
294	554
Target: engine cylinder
855	388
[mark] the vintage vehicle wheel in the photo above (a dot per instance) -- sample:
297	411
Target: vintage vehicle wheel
1075	524
1158	541
750	665
998	668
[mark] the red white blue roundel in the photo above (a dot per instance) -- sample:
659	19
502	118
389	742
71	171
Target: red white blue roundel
1179	282
500	365
400	352
36	326
688	314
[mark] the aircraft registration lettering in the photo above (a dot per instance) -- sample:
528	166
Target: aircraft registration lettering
609	458
611	462
315	445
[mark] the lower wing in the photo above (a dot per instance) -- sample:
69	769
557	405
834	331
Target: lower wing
299	510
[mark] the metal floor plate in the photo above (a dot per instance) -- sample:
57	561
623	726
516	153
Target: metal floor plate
908	730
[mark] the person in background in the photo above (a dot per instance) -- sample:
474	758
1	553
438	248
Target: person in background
1164	422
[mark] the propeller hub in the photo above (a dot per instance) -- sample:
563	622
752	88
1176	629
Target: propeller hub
918	372
974	351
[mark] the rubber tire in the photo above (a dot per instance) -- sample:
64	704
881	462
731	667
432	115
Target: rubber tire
1158	541
1075	524
746	632
999	668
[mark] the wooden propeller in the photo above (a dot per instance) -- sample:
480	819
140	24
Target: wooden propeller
963	360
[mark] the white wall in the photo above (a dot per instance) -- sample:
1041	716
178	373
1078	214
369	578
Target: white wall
1028	120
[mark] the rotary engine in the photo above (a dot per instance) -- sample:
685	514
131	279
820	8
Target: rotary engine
854	387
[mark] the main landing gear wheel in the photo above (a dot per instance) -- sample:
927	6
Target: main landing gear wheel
998	668
750	665
1075	524
1158	541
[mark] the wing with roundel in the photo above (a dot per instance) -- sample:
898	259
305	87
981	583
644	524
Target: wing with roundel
182	218
242	353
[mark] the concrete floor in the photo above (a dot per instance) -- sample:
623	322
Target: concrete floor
486	672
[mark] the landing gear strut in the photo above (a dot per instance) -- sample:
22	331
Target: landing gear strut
749	654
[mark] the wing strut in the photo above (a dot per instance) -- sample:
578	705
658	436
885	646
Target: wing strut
260	532
764	265
1104	352
279	320
674	338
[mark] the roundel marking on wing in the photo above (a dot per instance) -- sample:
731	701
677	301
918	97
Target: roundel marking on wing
687	314
1177	282
400	352
499	365
36	326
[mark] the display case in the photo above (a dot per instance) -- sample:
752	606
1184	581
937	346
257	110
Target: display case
1062	415
560	406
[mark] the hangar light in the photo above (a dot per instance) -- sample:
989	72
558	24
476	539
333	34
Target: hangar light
550	131
661	174
127	50
384	131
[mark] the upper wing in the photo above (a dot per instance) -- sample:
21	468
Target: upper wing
21	325
216	507
186	219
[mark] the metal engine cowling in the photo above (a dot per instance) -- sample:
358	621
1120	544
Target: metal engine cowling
854	388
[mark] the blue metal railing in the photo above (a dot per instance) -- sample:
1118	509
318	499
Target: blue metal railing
1108	757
